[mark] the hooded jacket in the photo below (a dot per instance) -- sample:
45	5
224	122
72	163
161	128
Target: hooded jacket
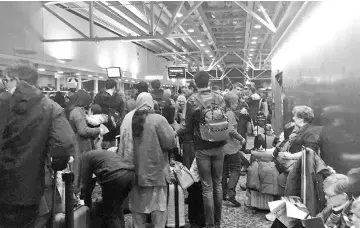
33	127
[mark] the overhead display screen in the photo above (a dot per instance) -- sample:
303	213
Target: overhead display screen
176	72
114	72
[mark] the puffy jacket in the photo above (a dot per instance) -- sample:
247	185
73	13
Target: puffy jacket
35	126
193	115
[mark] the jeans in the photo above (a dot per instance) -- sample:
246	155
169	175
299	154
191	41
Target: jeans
114	193
210	166
231	169
18	216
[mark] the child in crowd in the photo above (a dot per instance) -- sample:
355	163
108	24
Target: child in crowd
95	118
232	161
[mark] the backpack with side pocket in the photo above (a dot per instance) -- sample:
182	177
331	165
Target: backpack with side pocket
214	124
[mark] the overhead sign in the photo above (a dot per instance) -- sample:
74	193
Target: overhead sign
176	72
114	72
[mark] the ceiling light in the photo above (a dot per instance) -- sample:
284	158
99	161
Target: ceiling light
199	41
252	49
254	38
101	77
41	69
179	15
250	58
60	72
211	56
218	65
254	42
191	30
90	76
257	26
202	45
250	54
77	74
207	51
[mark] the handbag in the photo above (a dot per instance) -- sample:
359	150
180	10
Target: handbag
183	175
284	165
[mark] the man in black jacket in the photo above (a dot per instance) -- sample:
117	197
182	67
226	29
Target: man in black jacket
33	127
116	180
163	106
110	99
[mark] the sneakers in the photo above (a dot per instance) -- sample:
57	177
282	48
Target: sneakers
234	202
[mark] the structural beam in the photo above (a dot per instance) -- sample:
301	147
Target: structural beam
157	23
152	18
263	11
64	21
228	18
221	10
119	6
124	39
179	22
260	74
244	74
224	75
222	57
245	61
91	18
257	17
228	26
178	9
274	18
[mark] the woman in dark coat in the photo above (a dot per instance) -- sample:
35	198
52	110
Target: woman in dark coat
84	134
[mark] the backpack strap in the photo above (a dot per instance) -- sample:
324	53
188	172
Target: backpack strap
200	100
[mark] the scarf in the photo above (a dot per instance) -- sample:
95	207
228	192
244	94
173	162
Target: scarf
126	145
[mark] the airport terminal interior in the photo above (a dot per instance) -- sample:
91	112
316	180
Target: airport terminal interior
192	114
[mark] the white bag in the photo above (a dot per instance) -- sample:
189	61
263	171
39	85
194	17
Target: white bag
194	171
183	175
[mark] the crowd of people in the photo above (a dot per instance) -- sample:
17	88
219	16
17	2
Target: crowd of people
129	144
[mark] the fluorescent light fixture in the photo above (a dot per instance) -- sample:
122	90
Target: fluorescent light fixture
60	72
211	56
41	69
61	61
257	26
207	51
252	49
126	80
101	77
250	54
179	15
199	41
254	42
254	38
191	30
77	74
218	65
202	45
90	76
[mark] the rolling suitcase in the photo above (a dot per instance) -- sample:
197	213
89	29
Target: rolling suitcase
78	217
176	206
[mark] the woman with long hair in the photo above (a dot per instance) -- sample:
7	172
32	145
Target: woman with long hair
144	141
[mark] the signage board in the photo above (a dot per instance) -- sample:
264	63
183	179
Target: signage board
176	72
114	72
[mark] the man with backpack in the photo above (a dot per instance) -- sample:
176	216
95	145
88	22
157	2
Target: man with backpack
206	119
163	105
113	105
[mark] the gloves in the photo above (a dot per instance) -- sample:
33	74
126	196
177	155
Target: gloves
59	163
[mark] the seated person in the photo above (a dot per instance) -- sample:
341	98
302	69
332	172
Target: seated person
337	202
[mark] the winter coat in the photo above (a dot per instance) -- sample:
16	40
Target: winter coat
254	105
307	136
316	172
84	135
34	126
151	156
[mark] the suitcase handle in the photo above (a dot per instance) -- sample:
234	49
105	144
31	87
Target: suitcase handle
68	178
